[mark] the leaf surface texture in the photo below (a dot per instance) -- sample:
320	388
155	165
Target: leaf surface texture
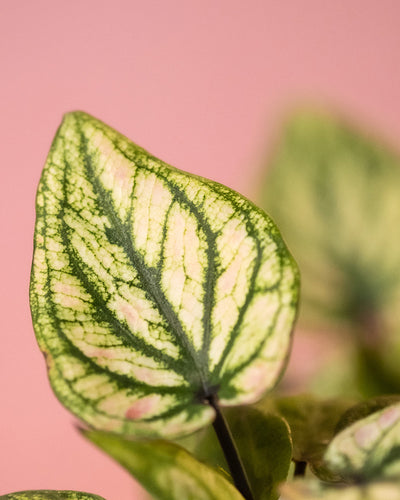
153	289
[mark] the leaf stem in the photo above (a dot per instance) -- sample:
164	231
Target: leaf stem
299	468
228	446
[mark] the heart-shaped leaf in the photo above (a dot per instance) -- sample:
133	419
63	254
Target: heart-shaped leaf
369	448
166	470
312	490
334	192
152	289
50	495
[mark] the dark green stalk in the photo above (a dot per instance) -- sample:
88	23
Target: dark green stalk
228	446
299	468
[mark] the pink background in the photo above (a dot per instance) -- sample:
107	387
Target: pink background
201	84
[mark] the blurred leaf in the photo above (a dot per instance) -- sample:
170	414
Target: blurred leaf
204	445
365	408
165	470
369	448
359	370
312	490
264	445
334	192
153	289
375	373
312	423
50	495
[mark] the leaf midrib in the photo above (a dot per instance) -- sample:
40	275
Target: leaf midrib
179	195
146	275
209	287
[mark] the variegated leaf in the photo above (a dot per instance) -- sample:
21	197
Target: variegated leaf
50	495
365	408
334	192
369	448
153	289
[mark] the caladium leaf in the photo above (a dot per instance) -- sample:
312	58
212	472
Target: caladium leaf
365	408
334	192
50	495
167	471
369	448
312	490
153	289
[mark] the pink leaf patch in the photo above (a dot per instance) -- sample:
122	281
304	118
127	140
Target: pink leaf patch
389	417
142	407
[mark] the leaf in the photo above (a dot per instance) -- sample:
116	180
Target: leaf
264	445
365	408
334	192
50	495
312	423
204	445
152	289
377	366
165	470
311	490
369	448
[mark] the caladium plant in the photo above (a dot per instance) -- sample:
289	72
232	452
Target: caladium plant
164	304
157	296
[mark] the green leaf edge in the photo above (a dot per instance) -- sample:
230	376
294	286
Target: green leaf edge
50	495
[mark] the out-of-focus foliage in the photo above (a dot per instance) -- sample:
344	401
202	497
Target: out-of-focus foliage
369	448
312	422
365	408
335	194
165	470
264	444
366	454
311	490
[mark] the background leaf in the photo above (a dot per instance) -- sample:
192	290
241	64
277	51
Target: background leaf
334	192
49	495
264	445
312	422
365	408
369	448
166	470
153	289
